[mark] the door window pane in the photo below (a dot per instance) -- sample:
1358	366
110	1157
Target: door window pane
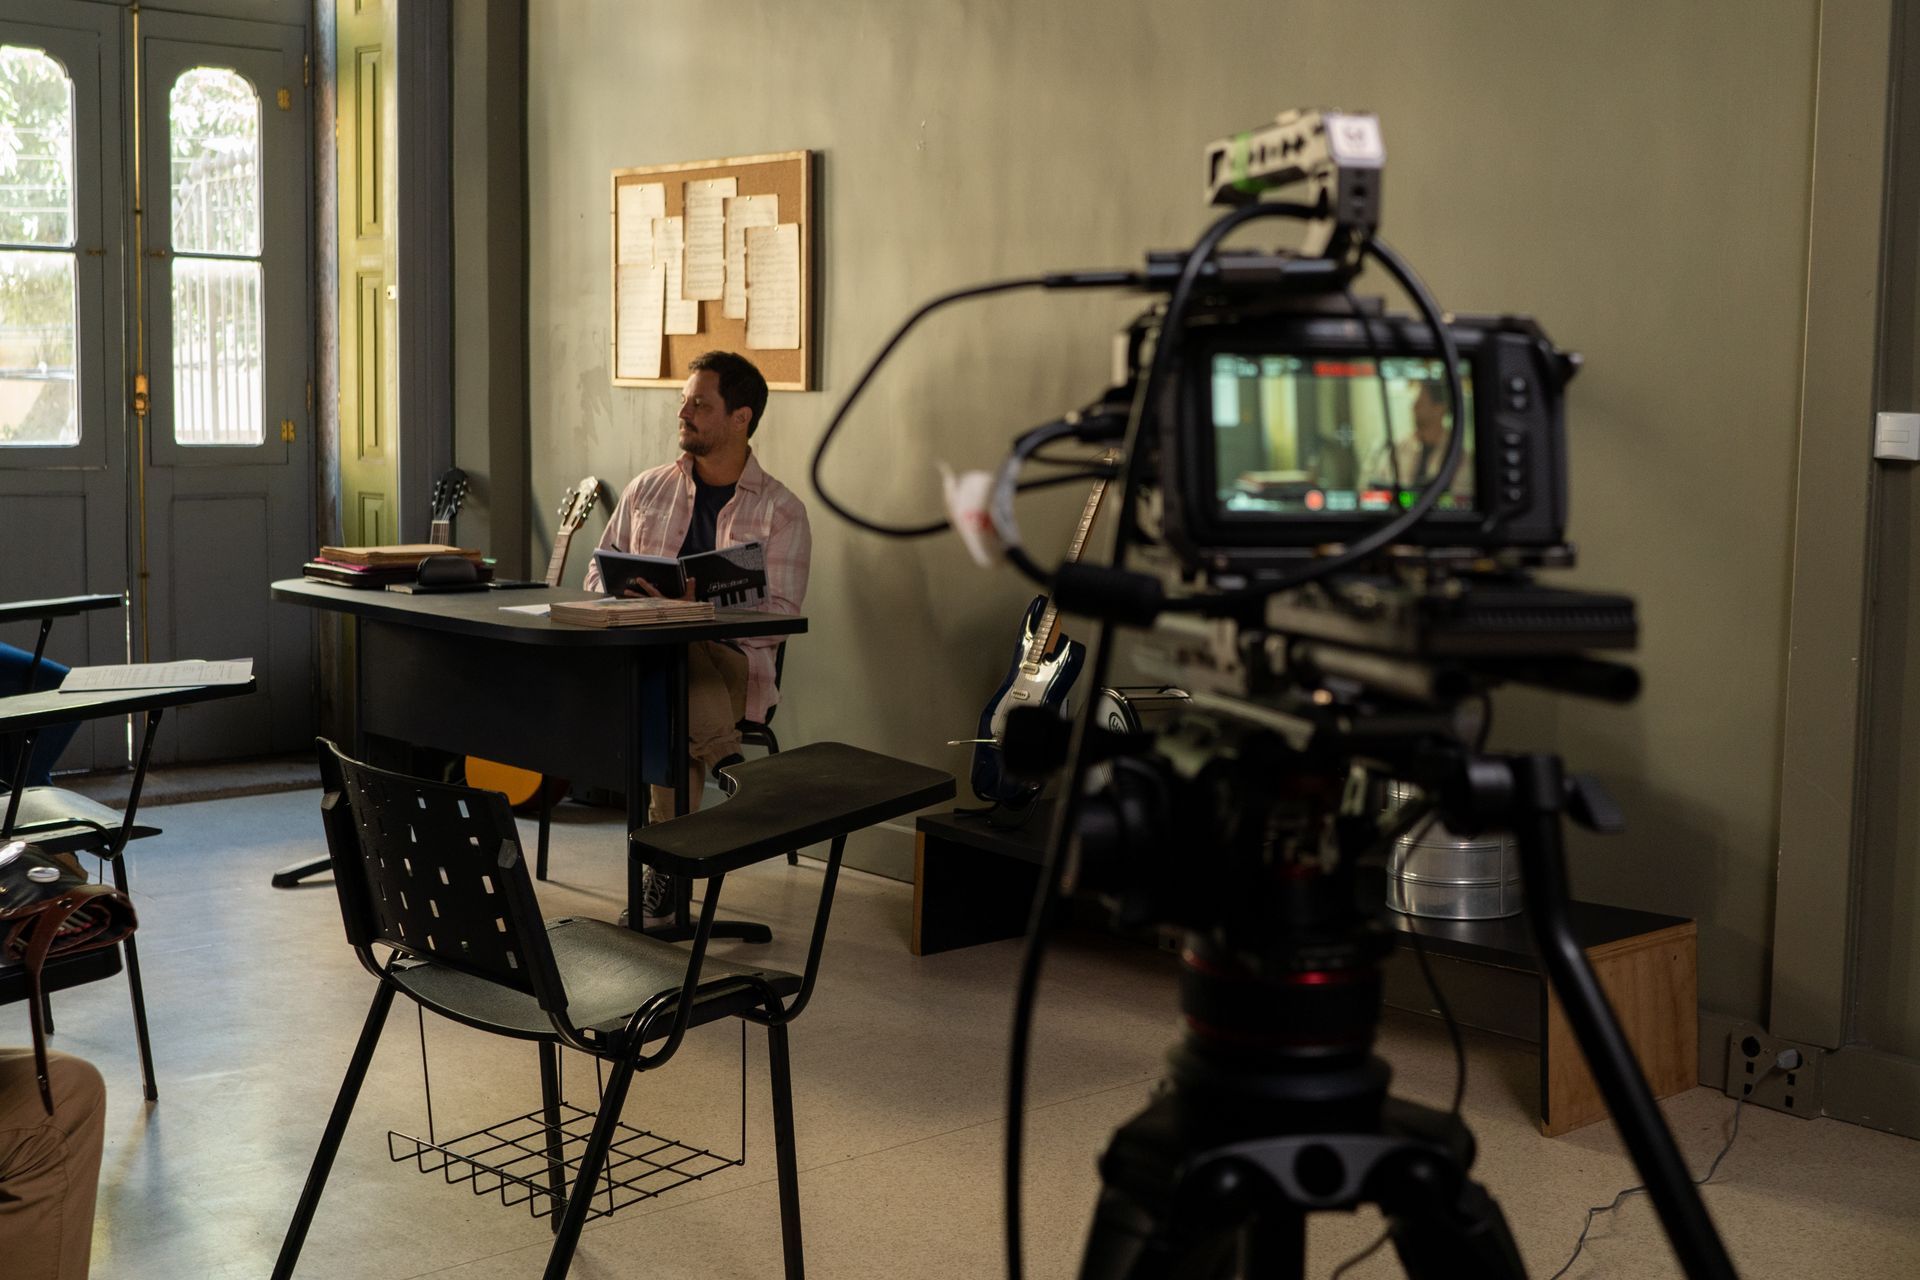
37	320
37	403
36	149
217	344
214	121
214	149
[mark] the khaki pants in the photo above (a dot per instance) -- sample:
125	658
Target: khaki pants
49	1166
716	700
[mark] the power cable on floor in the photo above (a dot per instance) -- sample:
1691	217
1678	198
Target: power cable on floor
1788	1060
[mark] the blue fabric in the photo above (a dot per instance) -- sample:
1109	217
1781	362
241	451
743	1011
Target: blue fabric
14	664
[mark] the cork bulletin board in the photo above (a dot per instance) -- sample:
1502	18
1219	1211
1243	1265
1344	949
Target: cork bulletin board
755	298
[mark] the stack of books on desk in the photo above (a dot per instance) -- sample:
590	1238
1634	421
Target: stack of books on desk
614	611
375	567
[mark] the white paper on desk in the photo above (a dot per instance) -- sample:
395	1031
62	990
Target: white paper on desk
157	675
706	238
773	287
743	212
636	338
635	207
669	245
531	610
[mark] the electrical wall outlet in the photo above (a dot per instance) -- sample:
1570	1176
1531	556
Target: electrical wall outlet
1753	1075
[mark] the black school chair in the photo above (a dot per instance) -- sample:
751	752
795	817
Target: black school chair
435	873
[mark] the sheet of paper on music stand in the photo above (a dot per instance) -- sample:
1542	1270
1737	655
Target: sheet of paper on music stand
636	205
636	340
706	238
669	245
773	287
157	675
743	212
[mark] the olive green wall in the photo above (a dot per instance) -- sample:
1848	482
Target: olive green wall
1635	174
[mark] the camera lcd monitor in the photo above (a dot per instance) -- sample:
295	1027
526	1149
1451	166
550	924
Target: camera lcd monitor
1301	435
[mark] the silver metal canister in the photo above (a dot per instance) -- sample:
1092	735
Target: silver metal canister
1439	875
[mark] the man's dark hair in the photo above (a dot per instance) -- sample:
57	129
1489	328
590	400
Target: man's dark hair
740	383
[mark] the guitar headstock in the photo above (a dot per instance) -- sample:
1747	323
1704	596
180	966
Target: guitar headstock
449	491
578	502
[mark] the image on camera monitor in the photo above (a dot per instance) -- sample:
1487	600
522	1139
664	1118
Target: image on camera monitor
1307	435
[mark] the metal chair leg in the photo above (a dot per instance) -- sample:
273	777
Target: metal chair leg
786	1156
335	1130
556	1153
591	1161
546	820
132	956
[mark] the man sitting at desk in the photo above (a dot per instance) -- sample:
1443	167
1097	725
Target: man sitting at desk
714	495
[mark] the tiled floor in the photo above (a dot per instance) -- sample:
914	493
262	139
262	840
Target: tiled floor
898	1078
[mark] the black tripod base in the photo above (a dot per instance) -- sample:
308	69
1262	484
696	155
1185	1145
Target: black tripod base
1177	1206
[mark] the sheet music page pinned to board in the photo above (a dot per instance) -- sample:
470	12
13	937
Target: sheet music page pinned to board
773	287
706	238
743	212
636	205
157	675
636	340
669	245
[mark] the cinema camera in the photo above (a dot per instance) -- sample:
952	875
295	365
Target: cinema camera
1332	521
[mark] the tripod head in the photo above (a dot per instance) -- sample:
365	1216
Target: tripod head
1257	824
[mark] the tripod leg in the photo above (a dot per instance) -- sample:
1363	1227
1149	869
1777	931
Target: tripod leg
1441	1231
1539	791
1130	1242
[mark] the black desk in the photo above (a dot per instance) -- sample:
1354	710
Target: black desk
459	673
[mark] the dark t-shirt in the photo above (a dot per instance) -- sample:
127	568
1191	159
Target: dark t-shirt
707	501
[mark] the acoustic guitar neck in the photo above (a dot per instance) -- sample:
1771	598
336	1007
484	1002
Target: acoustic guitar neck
557	563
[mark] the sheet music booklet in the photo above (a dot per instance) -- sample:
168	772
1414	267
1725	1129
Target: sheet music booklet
735	575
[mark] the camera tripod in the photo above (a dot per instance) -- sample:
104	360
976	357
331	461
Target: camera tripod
1276	1107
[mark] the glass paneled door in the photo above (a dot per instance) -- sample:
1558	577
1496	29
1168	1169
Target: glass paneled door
63	372
224	301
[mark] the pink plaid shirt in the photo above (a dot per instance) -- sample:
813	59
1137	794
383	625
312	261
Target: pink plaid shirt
651	519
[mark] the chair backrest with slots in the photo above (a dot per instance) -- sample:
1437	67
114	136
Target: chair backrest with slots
435	871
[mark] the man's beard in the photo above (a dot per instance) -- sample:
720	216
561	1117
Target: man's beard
695	446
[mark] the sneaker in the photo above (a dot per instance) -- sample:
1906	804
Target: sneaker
656	898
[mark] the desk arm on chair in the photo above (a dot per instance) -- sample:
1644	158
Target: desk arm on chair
823	791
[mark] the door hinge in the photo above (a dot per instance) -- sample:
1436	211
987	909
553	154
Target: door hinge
309	395
286	430
306	70
139	395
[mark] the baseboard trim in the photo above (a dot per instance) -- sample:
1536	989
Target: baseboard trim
1873	1089
1862	1086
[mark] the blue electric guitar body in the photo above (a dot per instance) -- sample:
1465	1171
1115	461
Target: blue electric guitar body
1039	677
